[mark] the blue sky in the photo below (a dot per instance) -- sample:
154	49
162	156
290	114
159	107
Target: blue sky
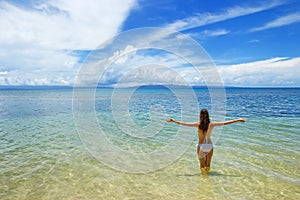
253	43
238	39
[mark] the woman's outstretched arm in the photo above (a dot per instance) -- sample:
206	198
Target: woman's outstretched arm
191	124
228	122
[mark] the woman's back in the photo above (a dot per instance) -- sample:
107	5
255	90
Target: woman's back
204	137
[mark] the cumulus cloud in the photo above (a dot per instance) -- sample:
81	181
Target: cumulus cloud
3	72
280	71
148	66
142	67
167	69
37	40
121	56
63	24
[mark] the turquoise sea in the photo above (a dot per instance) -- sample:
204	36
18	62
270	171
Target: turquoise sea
42	156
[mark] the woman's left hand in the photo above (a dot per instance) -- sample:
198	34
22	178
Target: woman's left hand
170	120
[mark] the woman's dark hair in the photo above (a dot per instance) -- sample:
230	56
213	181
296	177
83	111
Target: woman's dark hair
204	120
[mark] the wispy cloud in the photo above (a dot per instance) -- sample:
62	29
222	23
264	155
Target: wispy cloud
254	41
281	21
203	19
217	32
208	33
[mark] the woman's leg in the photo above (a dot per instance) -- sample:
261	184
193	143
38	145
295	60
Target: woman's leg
208	159
201	158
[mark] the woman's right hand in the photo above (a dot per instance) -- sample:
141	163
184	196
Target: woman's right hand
242	120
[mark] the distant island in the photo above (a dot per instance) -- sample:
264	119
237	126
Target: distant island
155	86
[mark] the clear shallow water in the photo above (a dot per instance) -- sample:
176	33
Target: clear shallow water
42	156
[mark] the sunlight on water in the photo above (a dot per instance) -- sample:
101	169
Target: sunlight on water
42	157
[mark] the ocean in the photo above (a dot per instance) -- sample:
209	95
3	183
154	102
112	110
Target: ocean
48	149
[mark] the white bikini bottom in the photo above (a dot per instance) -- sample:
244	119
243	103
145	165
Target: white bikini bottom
205	147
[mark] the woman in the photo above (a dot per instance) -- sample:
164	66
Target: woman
205	146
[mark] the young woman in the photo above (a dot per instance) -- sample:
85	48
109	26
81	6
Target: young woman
205	146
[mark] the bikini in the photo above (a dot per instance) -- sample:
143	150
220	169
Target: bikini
205	147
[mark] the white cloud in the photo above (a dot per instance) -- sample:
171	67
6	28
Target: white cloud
152	74
217	32
3	72
281	21
37	40
146	66
210	18
121	57
254	41
73	25
280	71
139	67
208	33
